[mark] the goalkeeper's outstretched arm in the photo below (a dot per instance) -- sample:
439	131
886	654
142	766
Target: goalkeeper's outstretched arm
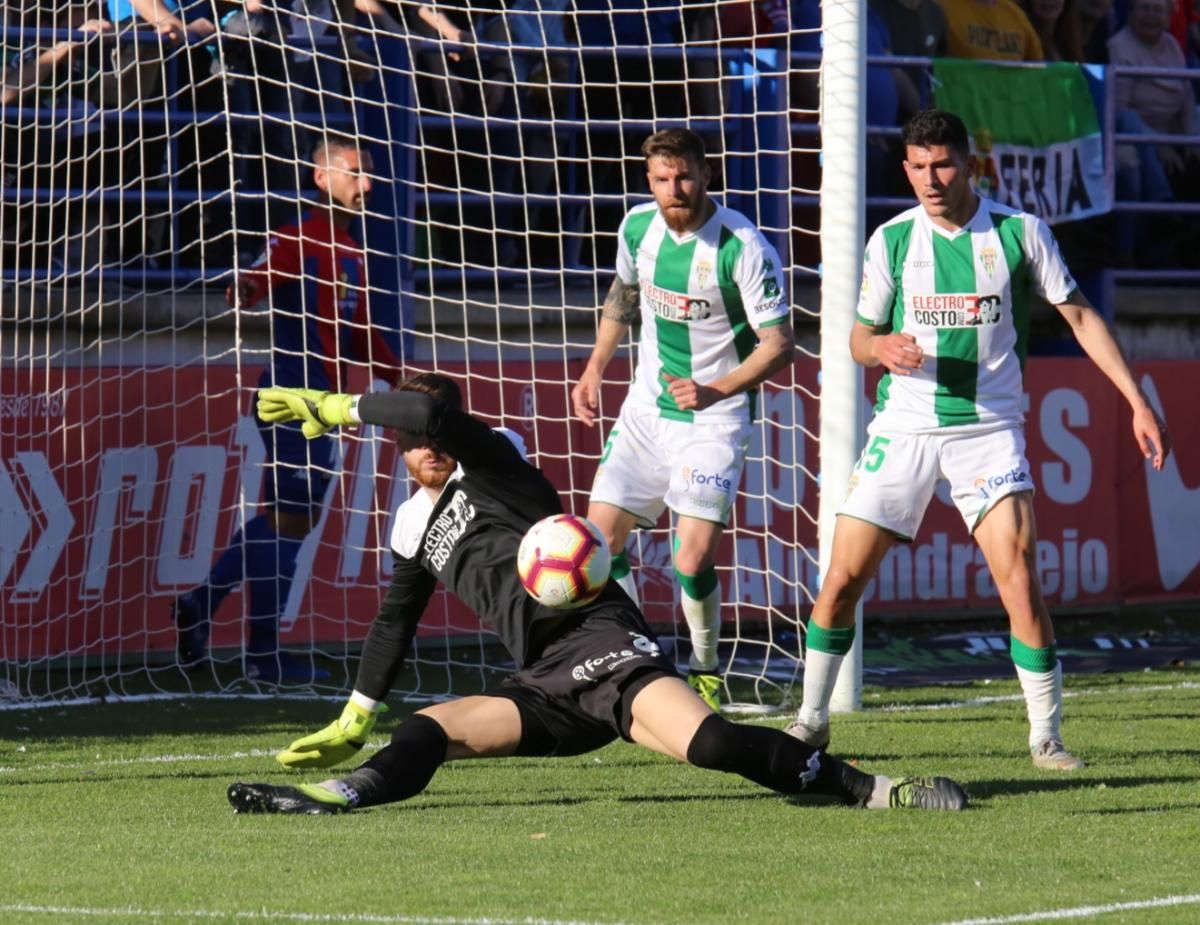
463	436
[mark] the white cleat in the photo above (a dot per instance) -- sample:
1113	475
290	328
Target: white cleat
812	737
1052	756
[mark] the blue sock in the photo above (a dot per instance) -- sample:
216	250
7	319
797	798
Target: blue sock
226	575
270	566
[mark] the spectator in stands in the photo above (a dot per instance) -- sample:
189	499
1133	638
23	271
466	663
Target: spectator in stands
1058	27
1095	29
992	30
1166	105
917	29
137	144
1193	43
30	64
39	71
313	277
528	89
882	95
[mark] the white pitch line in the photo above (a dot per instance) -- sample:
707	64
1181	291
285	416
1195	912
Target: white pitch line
1082	912
267	915
1013	698
895	708
155	759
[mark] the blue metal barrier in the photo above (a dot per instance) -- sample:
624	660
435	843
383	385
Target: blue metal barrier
758	138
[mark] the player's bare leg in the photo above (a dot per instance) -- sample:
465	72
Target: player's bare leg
670	718
858	548
696	543
473	727
616	524
1008	537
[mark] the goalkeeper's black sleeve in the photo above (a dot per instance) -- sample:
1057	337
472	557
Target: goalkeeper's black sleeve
469	440
392	632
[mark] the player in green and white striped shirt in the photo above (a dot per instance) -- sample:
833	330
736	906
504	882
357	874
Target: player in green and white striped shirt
944	306
709	291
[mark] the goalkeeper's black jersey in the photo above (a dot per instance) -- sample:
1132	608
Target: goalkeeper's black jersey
470	539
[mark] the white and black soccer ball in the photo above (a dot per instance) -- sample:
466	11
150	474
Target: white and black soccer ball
564	561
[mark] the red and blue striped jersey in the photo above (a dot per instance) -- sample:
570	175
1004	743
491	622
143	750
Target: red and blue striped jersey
315	277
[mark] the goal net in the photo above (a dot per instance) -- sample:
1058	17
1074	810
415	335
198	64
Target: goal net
144	176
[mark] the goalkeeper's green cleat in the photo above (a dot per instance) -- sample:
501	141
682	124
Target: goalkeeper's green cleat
708	685
305	800
339	741
926	793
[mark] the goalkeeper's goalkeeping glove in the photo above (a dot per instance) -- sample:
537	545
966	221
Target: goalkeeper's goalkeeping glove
319	411
337	742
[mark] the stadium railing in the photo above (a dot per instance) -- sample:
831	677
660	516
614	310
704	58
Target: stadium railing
746	70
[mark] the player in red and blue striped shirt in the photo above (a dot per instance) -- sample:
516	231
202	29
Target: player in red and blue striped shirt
312	279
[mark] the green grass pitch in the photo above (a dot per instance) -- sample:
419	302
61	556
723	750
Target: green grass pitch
116	813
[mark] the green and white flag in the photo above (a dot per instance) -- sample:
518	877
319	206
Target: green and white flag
1035	132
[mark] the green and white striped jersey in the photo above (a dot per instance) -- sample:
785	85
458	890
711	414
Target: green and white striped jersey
965	296
703	295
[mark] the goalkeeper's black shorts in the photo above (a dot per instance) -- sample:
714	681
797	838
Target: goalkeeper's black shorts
577	696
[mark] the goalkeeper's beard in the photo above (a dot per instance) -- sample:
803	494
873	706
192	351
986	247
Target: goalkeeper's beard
431	472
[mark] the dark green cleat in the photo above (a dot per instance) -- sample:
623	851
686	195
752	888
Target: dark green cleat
927	793
305	800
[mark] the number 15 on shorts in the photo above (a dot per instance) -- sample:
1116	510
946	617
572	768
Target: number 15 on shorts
872	457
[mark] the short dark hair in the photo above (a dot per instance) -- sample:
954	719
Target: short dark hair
441	387
937	127
332	143
676	143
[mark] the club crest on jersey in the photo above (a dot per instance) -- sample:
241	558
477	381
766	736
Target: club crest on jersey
987	258
674	306
703	272
957	310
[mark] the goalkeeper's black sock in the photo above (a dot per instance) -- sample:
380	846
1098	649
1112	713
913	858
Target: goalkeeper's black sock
776	760
405	767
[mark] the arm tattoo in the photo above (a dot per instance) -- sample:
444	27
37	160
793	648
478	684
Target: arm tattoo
622	302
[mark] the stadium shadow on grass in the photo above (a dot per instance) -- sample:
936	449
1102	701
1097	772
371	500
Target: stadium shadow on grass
983	789
1137	810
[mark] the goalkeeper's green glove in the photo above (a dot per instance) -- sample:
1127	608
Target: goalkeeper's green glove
337	742
319	411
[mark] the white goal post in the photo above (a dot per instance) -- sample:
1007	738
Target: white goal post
141	177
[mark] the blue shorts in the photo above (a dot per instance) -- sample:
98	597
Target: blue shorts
297	471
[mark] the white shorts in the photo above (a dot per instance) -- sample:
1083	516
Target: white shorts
896	475
651	463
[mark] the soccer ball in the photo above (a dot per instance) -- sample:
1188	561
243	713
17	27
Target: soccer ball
564	561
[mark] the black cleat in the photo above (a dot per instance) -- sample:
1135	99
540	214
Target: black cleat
192	630
305	800
927	793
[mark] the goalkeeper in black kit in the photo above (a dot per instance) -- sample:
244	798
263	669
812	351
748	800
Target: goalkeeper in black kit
477	497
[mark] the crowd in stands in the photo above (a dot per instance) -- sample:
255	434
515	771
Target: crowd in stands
117	58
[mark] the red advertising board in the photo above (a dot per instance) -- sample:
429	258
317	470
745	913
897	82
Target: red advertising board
119	485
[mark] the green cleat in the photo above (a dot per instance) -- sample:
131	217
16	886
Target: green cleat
339	741
926	793
708	685
305	800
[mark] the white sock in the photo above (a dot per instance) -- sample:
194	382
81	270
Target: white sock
704	625
629	585
881	794
820	677
342	789
1043	703
362	700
